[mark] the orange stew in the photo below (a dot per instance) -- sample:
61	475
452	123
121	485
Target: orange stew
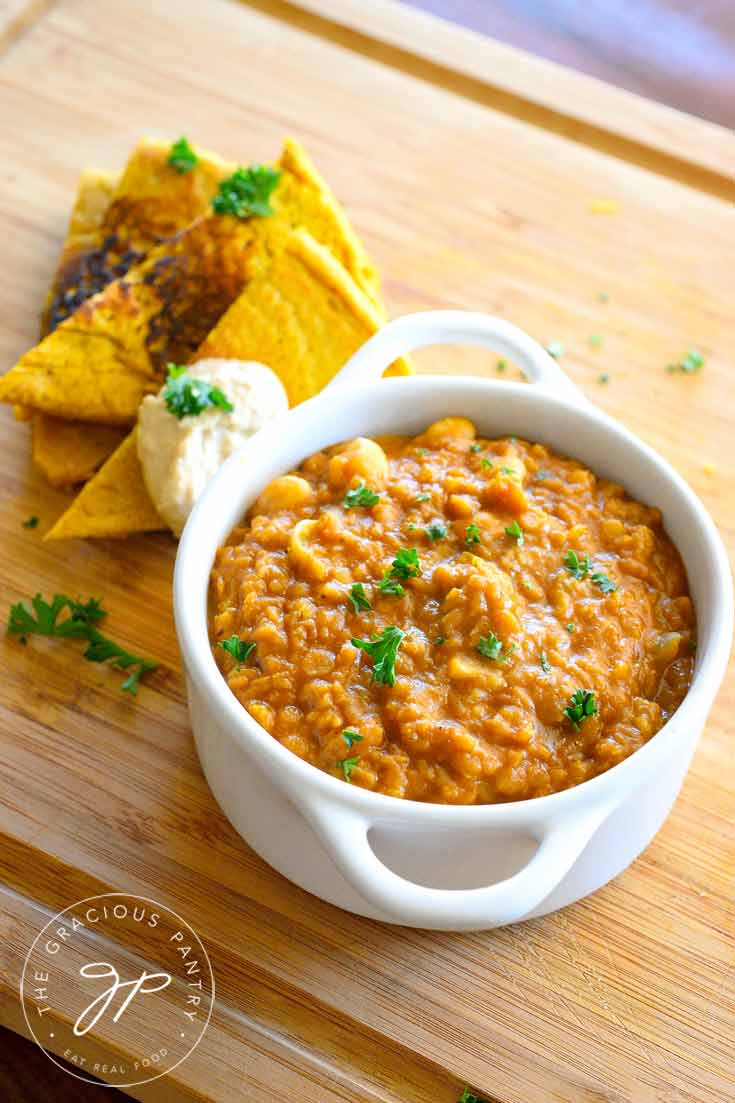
453	619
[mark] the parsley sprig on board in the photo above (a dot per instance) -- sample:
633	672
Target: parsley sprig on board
247	192
186	396
383	650
65	618
182	157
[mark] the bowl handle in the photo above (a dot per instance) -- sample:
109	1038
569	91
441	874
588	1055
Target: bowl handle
345	835
455	327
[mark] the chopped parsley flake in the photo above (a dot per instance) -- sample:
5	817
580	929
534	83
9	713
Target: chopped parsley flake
351	737
182	157
578	568
515	532
359	599
692	362
490	647
423	498
406	564
186	396
555	349
347	765
361	495
603	297
440	640
486	463
247	192
581	706
605	584
475	447
79	624
472	534
542	473
469	1097
603	377
383	650
505	470
437	530
570	627
501	365
390	586
544	663
30	522
239	649
596	340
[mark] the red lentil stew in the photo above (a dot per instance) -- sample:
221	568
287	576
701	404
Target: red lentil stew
452	619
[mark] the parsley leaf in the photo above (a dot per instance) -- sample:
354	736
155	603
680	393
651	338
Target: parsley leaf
358	597
472	534
475	447
239	649
486	463
31	522
78	624
692	362
436	531
603	378
605	584
406	564
570	627
361	495
247	192
347	765
490	647
581	706
383	650
501	365
351	737
390	586
544	663
187	397
423	498
469	1097
578	568
182	157
595	340
440	640
515	532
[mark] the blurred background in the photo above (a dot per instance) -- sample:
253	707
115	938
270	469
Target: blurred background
679	52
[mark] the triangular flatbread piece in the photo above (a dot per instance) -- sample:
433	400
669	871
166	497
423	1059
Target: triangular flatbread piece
69	451
114	503
301	314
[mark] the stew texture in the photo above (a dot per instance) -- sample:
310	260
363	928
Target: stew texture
453	619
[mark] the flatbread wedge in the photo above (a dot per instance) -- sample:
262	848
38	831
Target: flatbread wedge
99	363
114	502
301	313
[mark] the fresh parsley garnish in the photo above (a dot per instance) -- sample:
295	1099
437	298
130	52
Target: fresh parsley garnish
186	396
603	296
472	534
30	522
544	662
358	597
390	586
182	157
347	765
692	362
247	192
605	584
505	470
475	448
490	647
603	378
383	650
360	495
542	473
436	531
406	564
555	349
78	624
423	498
486	463
581	706
440	640
351	737
515	532
578	568
595	340
239	649
570	627
501	365
469	1097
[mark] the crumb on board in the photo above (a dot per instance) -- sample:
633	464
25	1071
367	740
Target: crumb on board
604	206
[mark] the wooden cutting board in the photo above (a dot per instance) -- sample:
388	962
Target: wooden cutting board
471	170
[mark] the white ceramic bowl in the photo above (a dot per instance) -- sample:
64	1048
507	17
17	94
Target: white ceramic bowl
430	865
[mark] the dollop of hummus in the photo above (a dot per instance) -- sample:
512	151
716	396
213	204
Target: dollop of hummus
180	456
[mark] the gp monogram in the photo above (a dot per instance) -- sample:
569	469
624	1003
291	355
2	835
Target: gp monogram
117	974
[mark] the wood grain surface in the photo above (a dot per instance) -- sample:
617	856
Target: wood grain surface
626	997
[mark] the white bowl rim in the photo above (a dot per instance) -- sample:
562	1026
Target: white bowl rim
294	773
